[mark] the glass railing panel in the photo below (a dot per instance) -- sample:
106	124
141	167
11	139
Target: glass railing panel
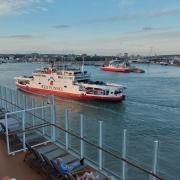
60	136
111	164
91	130
91	153
74	144
74	122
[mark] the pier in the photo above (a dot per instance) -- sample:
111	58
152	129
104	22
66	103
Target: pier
28	121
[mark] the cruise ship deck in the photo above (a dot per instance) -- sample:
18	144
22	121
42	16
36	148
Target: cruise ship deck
14	166
31	129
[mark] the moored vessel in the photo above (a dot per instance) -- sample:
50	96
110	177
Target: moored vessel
69	82
121	66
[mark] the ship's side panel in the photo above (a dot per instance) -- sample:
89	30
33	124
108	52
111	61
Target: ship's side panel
54	82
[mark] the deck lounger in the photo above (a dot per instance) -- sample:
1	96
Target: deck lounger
61	176
33	158
47	148
41	149
56	153
37	163
68	158
11	126
69	176
51	172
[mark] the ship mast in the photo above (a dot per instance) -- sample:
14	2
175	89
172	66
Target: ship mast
82	67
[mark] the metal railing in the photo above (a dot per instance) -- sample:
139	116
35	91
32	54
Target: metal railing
53	129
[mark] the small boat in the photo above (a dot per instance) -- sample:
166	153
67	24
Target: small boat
121	66
69	83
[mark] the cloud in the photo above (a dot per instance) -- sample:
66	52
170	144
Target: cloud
8	7
147	15
61	26
18	36
147	29
163	42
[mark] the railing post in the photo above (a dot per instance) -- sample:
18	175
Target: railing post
16	103
13	96
1	96
124	155
5	96
7	108
16	100
25	101
11	99
7	134
100	144
155	158
23	129
43	117
66	128
2	101
33	111
53	120
82	134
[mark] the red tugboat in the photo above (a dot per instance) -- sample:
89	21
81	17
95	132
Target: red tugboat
121	66
69	83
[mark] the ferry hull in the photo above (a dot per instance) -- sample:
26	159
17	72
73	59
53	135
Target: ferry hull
111	69
71	95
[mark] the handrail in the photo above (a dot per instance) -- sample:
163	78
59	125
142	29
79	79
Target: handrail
25	110
80	138
92	144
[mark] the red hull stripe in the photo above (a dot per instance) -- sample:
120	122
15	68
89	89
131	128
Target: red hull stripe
111	69
70	95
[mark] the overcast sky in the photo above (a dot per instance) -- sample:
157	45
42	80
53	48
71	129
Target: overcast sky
104	27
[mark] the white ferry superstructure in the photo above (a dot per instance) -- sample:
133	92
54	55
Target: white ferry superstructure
69	83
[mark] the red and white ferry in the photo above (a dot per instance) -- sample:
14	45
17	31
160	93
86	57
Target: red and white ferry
121	66
69	83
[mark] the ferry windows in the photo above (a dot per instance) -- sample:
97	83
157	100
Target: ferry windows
59	73
107	92
23	82
95	91
98	91
89	90
81	88
117	92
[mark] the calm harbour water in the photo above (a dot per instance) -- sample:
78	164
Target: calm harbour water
150	112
